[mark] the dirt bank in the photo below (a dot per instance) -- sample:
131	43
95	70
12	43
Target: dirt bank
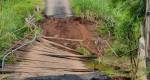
75	29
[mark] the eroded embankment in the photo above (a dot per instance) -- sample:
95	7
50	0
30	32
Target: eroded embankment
73	33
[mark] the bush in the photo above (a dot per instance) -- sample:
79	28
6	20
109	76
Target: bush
12	20
120	17
120	49
102	31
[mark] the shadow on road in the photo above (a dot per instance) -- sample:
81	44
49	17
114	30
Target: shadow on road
94	76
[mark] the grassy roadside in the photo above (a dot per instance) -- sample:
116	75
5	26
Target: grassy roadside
12	20
90	9
122	21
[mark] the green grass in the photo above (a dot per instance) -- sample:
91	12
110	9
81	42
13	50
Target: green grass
111	65
122	21
12	20
91	9
83	51
121	18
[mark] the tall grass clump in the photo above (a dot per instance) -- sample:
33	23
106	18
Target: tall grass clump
90	8
12	20
121	18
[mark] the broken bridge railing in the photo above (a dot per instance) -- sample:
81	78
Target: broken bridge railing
30	21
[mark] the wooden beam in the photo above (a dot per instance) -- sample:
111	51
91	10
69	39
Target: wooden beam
61	46
147	29
75	40
144	46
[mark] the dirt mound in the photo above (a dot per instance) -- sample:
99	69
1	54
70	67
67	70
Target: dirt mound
71	32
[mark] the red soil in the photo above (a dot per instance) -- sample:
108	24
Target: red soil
74	28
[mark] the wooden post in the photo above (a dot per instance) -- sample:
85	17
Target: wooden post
144	48
147	28
141	59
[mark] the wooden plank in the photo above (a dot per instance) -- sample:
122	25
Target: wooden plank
75	40
61	46
6	72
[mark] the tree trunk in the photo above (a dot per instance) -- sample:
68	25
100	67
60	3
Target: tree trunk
141	73
144	48
147	28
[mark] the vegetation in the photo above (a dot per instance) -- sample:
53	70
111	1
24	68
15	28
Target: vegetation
110	69
12	20
121	19
83	51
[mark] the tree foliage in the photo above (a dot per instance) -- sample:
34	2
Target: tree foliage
121	17
128	16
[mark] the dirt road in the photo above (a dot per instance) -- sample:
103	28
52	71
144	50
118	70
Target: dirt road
58	8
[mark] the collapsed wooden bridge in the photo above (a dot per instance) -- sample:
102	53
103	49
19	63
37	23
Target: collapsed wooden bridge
55	54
